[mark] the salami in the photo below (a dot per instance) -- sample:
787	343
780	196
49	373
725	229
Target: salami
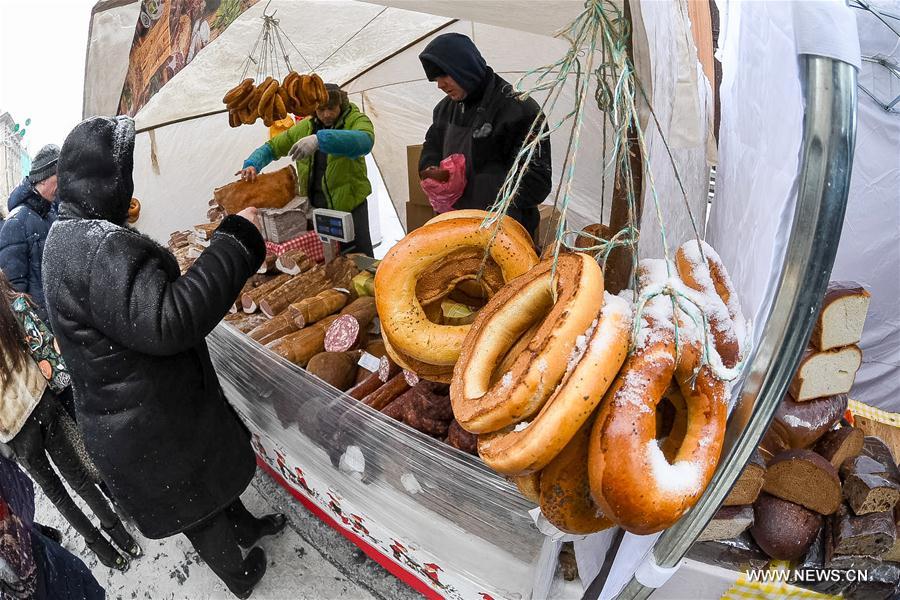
293	262
411	378
272	329
365	387
387	368
336	368
386	393
343	334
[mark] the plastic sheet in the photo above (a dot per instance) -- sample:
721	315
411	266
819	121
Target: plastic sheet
439	512
739	554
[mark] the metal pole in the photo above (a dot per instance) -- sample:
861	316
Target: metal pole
826	158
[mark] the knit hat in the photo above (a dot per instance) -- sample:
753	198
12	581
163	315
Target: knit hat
455	55
44	164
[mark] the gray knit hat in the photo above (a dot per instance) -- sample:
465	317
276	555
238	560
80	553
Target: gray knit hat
44	164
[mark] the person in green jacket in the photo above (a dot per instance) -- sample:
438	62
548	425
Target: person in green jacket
329	149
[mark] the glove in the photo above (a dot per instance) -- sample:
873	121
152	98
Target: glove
306	146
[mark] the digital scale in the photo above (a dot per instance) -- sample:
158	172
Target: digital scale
333	226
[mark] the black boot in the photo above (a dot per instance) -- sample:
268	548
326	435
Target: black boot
267	525
123	540
254	568
49	532
108	555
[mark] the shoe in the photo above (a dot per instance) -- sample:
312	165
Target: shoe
268	525
123	540
108	555
254	568
49	532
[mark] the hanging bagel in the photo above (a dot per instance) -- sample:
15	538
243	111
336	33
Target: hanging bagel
570	300
238	92
134	210
631	478
531	445
403	319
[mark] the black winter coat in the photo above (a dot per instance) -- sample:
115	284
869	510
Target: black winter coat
132	329
22	241
502	122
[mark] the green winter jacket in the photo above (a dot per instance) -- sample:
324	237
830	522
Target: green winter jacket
346	183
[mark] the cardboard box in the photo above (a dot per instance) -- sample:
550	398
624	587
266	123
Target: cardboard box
416	195
546	232
417	215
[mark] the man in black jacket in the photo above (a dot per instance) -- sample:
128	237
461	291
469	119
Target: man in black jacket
482	119
173	452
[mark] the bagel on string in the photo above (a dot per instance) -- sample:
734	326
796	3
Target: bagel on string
631	479
719	300
404	321
592	365
566	305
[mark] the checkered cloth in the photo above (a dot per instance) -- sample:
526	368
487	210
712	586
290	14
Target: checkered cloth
882	416
309	242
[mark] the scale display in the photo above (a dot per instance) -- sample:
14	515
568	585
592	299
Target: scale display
333	224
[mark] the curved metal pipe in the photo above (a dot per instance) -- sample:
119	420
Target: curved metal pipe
826	159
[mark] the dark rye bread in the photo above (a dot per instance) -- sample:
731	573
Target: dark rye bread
893	554
805	478
876	449
838	445
728	522
866	535
867	493
801	424
784	530
749	483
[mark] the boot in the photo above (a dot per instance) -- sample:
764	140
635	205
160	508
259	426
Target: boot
108	555
49	532
254	568
123	540
268	525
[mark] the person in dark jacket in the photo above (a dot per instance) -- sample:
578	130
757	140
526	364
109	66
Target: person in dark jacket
173	452
482	119
33	565
25	231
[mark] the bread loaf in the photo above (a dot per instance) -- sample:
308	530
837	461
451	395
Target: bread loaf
805	478
825	373
728	522
839	445
868	493
800	424
868	535
877	450
894	553
842	316
889	435
749	483
784	530
270	190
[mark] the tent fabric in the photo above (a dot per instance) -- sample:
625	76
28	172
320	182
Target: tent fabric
869	252
106	63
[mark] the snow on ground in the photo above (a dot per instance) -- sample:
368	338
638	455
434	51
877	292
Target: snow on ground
307	560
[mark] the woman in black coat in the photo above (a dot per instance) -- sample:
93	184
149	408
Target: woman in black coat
171	449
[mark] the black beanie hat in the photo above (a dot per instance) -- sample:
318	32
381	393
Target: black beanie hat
44	164
456	55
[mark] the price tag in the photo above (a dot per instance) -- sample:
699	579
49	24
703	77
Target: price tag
369	362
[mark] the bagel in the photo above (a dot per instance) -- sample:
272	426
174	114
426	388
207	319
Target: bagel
565	489
239	91
481	407
402	316
643	491
436	373
529	486
719	300
474	213
529	448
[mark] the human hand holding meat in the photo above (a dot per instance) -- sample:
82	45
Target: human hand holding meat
436	173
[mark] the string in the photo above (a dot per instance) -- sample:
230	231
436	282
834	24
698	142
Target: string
358	31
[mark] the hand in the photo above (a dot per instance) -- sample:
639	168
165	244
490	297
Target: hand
248	174
436	173
251	214
306	146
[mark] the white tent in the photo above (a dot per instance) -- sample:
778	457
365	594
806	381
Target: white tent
372	50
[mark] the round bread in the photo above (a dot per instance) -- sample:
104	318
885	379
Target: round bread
528	485
801	424
631	479
403	318
565	490
570	300
784	530
529	449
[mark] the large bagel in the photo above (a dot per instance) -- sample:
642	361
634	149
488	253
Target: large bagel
436	373
631	478
473	213
528	449
565	491
481	406
402	316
